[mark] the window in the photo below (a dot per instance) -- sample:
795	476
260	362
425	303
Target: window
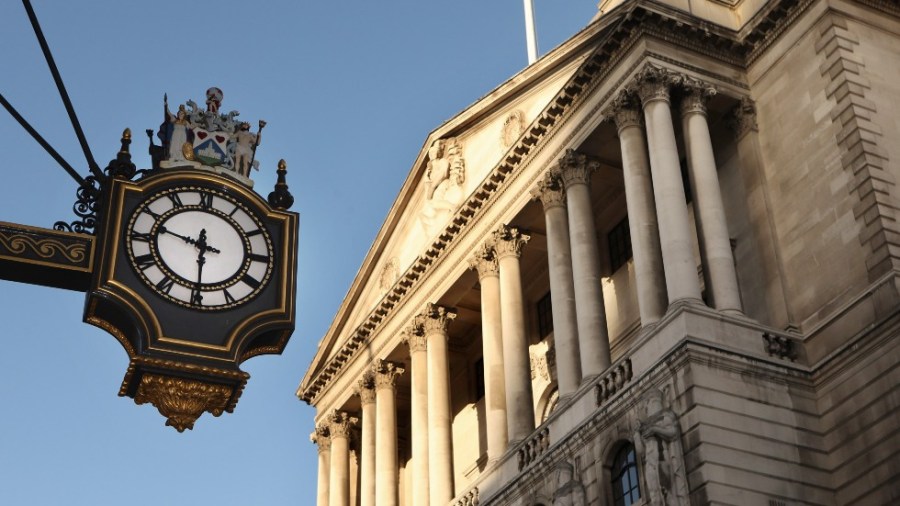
619	240
626	490
545	316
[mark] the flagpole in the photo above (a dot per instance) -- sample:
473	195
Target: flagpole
530	34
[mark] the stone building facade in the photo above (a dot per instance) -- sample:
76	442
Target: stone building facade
658	266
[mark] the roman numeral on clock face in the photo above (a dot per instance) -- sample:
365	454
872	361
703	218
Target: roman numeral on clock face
206	200
165	284
144	262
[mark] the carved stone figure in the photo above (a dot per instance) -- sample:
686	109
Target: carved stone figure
178	125
569	490
244	145
658	441
444	177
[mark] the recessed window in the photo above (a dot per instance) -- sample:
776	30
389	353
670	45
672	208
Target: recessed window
619	240
545	316
626	490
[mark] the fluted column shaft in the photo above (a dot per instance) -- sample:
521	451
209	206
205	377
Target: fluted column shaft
593	335
387	470
419	416
709	210
675	233
435	321
323	441
339	480
644	229
507	243
485	262
366	392
552	195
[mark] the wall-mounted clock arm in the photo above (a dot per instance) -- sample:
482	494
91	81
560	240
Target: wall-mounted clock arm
95	169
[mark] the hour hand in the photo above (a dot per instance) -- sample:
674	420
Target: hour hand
190	240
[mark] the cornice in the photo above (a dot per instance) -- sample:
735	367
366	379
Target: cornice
623	26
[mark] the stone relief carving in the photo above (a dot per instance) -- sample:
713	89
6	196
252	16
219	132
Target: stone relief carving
513	128
389	274
445	174
569	489
658	440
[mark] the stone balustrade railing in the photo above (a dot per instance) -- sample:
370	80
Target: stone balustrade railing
533	447
470	498
613	381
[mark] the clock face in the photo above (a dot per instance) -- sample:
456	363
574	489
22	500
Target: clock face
199	248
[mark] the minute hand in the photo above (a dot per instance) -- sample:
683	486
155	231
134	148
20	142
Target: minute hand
189	240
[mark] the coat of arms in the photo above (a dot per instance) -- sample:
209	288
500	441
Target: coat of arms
195	137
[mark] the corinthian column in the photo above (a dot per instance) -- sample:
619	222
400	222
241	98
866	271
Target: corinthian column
508	242
642	224
323	441
388	472
435	321
671	206
593	335
552	195
366	392
415	339
485	263
709	210
340	425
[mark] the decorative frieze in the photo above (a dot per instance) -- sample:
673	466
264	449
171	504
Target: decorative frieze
550	190
508	241
613	381
385	373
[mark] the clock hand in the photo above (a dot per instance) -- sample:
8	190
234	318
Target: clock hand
196	298
189	240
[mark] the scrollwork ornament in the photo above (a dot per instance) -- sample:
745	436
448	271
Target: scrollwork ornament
626	112
321	438
85	208
695	99
550	190
181	400
415	338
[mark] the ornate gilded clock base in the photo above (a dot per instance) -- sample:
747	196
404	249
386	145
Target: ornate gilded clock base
182	400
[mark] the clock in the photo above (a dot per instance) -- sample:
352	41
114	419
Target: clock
200	248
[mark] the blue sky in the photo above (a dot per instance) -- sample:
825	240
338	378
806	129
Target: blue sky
349	90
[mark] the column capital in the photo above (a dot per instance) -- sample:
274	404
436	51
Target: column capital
414	337
435	319
576	168
485	262
550	190
321	437
743	117
365	388
625	110
385	373
654	83
696	95
341	424
508	241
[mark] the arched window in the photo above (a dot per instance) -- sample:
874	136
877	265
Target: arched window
626	490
